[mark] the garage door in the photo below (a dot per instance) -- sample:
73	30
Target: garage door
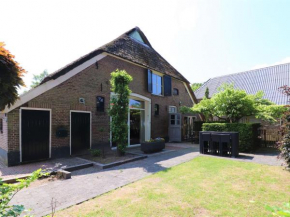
35	133
80	131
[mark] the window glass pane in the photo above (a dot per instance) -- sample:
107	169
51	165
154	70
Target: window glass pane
137	36
175	91
173	122
154	89
100	104
154	79
158	91
156	84
156	109
158	80
136	104
172	109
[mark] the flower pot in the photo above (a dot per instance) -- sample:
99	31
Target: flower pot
151	147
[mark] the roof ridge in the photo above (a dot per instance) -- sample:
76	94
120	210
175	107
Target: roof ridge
111	47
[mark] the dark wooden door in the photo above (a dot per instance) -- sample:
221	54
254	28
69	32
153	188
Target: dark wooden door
35	128
80	131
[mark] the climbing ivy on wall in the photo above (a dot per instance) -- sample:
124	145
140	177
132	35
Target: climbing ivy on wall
120	81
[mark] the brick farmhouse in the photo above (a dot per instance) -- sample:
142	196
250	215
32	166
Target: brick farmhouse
66	112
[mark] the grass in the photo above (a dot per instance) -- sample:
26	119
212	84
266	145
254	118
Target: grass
205	186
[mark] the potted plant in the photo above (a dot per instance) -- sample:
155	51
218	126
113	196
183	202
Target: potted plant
153	145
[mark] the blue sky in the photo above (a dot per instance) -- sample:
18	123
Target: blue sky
201	39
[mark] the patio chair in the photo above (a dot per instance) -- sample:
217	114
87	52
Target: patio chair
215	143
225	144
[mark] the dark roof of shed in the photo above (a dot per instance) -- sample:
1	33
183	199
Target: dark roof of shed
267	79
129	49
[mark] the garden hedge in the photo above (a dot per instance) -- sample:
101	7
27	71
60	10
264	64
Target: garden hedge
248	133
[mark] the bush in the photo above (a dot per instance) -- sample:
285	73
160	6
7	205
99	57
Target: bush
248	133
284	145
96	152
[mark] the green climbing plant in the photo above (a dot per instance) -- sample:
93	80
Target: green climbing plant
8	191
120	81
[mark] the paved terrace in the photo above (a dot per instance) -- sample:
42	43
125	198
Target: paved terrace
91	182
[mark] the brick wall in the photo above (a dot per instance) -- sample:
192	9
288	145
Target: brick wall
89	84
4	134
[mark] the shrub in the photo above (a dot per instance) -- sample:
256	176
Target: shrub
120	81
284	145
96	152
248	133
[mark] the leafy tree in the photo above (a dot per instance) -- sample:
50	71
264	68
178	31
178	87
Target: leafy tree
206	94
195	86
37	79
204	107
10	78
231	104
119	108
8	191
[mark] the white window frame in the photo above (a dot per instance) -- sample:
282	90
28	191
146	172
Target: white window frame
155	84
171	107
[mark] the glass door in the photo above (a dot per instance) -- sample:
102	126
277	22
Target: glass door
136	122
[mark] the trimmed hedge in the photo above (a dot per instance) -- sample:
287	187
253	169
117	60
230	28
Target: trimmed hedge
248	133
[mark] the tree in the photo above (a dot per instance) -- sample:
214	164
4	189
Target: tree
231	104
206	94
195	86
119	108
10	78
37	79
284	145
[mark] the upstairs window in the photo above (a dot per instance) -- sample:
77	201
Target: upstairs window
156	109
156	84
135	34
172	109
100	104
175	91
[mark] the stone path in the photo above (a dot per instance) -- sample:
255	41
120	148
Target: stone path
266	156
26	169
91	182
88	183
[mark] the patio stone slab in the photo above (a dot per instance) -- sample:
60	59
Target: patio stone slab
49	165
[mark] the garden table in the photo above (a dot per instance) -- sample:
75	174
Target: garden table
221	138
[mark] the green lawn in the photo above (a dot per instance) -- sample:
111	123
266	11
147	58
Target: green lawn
205	186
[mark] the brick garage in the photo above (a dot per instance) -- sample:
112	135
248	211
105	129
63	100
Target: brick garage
90	81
